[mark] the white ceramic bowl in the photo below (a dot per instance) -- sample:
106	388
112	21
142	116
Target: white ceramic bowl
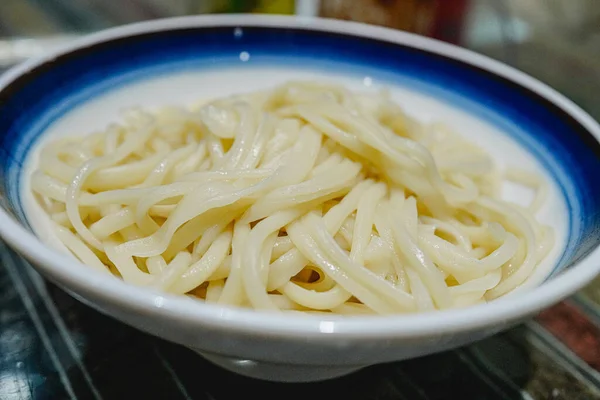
520	120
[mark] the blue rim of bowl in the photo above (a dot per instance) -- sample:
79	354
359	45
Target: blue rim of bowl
548	107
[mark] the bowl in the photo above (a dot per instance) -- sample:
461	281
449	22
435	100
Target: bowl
520	120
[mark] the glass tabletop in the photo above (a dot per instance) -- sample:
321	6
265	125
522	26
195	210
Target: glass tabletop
54	347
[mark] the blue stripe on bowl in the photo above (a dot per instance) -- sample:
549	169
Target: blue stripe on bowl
565	148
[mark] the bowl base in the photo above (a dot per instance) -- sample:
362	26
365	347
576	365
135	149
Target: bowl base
278	372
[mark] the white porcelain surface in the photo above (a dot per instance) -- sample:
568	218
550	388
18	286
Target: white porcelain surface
278	372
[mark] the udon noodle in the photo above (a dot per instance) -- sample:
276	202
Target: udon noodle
307	198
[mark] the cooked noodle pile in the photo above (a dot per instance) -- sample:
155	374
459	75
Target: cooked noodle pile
305	198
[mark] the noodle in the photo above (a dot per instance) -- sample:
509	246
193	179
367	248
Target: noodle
307	198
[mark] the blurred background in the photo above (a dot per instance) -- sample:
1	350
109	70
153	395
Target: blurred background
52	347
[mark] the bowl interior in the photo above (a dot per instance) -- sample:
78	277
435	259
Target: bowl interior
86	87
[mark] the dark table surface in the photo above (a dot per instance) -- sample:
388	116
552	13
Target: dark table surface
53	347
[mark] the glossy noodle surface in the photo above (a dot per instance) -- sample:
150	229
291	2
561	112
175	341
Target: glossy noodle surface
306	197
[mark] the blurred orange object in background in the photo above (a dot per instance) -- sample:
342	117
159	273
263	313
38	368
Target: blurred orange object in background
436	18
